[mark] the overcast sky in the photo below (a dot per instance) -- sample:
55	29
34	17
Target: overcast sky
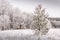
52	6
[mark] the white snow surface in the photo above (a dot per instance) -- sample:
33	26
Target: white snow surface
28	34
20	32
53	34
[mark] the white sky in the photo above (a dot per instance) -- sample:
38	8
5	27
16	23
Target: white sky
52	6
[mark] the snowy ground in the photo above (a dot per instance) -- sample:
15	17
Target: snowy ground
27	34
21	32
53	34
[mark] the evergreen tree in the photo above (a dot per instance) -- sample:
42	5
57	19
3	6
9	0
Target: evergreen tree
40	20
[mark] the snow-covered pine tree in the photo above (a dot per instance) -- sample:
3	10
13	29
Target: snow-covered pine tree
40	20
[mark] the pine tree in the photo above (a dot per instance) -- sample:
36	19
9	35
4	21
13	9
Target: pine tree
40	20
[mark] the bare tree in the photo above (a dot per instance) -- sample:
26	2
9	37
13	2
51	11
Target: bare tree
4	10
17	19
